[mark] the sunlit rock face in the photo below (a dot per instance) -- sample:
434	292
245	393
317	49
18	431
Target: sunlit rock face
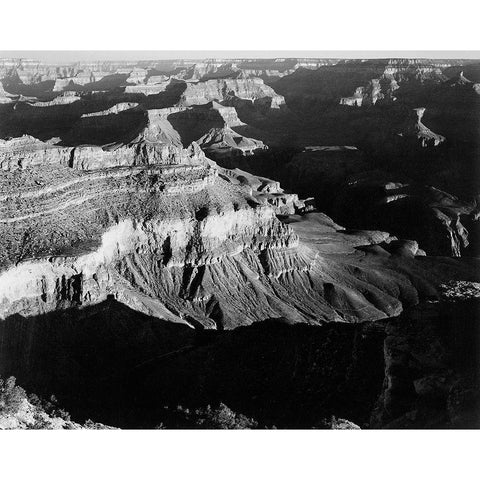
4	96
119	197
27	151
142	157
179	242
219	142
416	130
172	246
244	88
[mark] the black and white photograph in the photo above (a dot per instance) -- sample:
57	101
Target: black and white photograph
231	239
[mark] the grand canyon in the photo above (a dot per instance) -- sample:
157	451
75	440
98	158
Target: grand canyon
240	243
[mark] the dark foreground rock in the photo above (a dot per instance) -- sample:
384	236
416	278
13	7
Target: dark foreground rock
123	368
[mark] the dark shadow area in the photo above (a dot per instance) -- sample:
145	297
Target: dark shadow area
51	121
121	367
122	127
193	124
109	82
41	90
168	98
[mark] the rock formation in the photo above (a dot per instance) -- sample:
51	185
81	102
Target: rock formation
4	96
415	129
224	141
245	88
377	89
27	151
65	98
117	108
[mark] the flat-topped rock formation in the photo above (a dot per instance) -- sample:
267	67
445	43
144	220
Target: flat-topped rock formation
117	108
82	78
153	89
65	98
137	76
264	190
244	88
27	151
156	143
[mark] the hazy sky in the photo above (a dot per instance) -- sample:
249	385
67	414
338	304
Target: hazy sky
98	55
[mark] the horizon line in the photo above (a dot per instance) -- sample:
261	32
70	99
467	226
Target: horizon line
165	55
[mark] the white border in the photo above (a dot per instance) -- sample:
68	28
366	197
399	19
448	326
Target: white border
242	455
368	25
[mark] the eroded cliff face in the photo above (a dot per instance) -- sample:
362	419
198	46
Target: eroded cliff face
4	97
222	142
158	257
177	245
415	130
431	365
245	88
183	244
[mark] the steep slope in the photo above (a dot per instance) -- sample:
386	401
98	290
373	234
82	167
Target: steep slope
165	239
116	366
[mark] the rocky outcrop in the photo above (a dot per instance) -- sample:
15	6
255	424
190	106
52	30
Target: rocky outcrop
117	108
82	78
362	82
156	143
30	72
153	89
229	114
27	151
156	79
221	142
134	154
65	98
4	96
431	368
19	411
245	88
137	76
459	80
193	123
434	218
210	70
415	130
377	89
264	190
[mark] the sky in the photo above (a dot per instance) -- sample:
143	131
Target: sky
131	55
